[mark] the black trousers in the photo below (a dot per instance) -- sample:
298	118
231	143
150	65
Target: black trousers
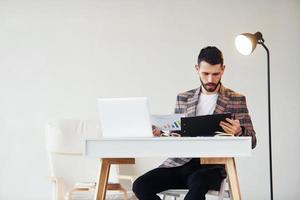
197	178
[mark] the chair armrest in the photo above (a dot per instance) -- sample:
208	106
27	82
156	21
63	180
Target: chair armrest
87	186
90	185
59	187
70	192
80	187
56	179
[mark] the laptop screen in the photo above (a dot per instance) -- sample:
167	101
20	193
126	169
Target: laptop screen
124	117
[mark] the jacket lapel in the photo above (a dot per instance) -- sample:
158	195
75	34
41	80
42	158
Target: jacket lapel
222	101
192	103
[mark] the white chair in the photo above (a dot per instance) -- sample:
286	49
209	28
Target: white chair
73	175
221	194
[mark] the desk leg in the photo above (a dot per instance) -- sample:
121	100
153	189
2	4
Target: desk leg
102	180
233	180
101	186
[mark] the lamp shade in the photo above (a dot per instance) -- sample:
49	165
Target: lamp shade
246	43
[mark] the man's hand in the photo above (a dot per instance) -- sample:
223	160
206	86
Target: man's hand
155	131
232	126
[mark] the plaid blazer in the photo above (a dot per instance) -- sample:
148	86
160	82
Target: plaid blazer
228	101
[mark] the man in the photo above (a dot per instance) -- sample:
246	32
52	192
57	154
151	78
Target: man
211	97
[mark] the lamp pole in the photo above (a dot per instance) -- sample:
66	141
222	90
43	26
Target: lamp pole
269	116
246	43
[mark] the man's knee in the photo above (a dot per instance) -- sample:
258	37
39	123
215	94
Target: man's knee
205	179
196	180
138	186
135	186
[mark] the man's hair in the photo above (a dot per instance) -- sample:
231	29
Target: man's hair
211	55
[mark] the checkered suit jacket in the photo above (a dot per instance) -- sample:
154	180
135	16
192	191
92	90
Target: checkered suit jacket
228	101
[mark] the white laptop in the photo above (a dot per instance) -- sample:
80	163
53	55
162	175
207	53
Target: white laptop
124	117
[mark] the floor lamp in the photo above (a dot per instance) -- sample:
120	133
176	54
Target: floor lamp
245	44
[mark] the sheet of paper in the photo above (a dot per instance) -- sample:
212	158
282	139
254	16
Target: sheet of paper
167	122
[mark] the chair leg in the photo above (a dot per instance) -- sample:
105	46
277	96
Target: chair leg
125	193
222	189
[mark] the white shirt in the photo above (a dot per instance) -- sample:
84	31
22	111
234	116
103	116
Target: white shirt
207	104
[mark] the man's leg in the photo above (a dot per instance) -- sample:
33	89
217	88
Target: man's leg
157	180
201	181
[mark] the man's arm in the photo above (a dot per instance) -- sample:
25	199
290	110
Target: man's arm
241	124
247	128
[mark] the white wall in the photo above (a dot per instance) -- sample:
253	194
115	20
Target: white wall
57	57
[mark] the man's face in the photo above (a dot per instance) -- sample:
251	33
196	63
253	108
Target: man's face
210	75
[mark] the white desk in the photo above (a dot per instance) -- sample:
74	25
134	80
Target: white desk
213	150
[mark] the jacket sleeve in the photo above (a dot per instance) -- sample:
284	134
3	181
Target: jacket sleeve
243	116
181	104
178	109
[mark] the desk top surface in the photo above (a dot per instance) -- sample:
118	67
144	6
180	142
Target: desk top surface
152	139
169	147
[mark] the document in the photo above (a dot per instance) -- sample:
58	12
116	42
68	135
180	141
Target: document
218	133
167	122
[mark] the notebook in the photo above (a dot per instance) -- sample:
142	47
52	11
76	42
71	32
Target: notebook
124	117
206	125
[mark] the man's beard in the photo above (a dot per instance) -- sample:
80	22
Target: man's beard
210	87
